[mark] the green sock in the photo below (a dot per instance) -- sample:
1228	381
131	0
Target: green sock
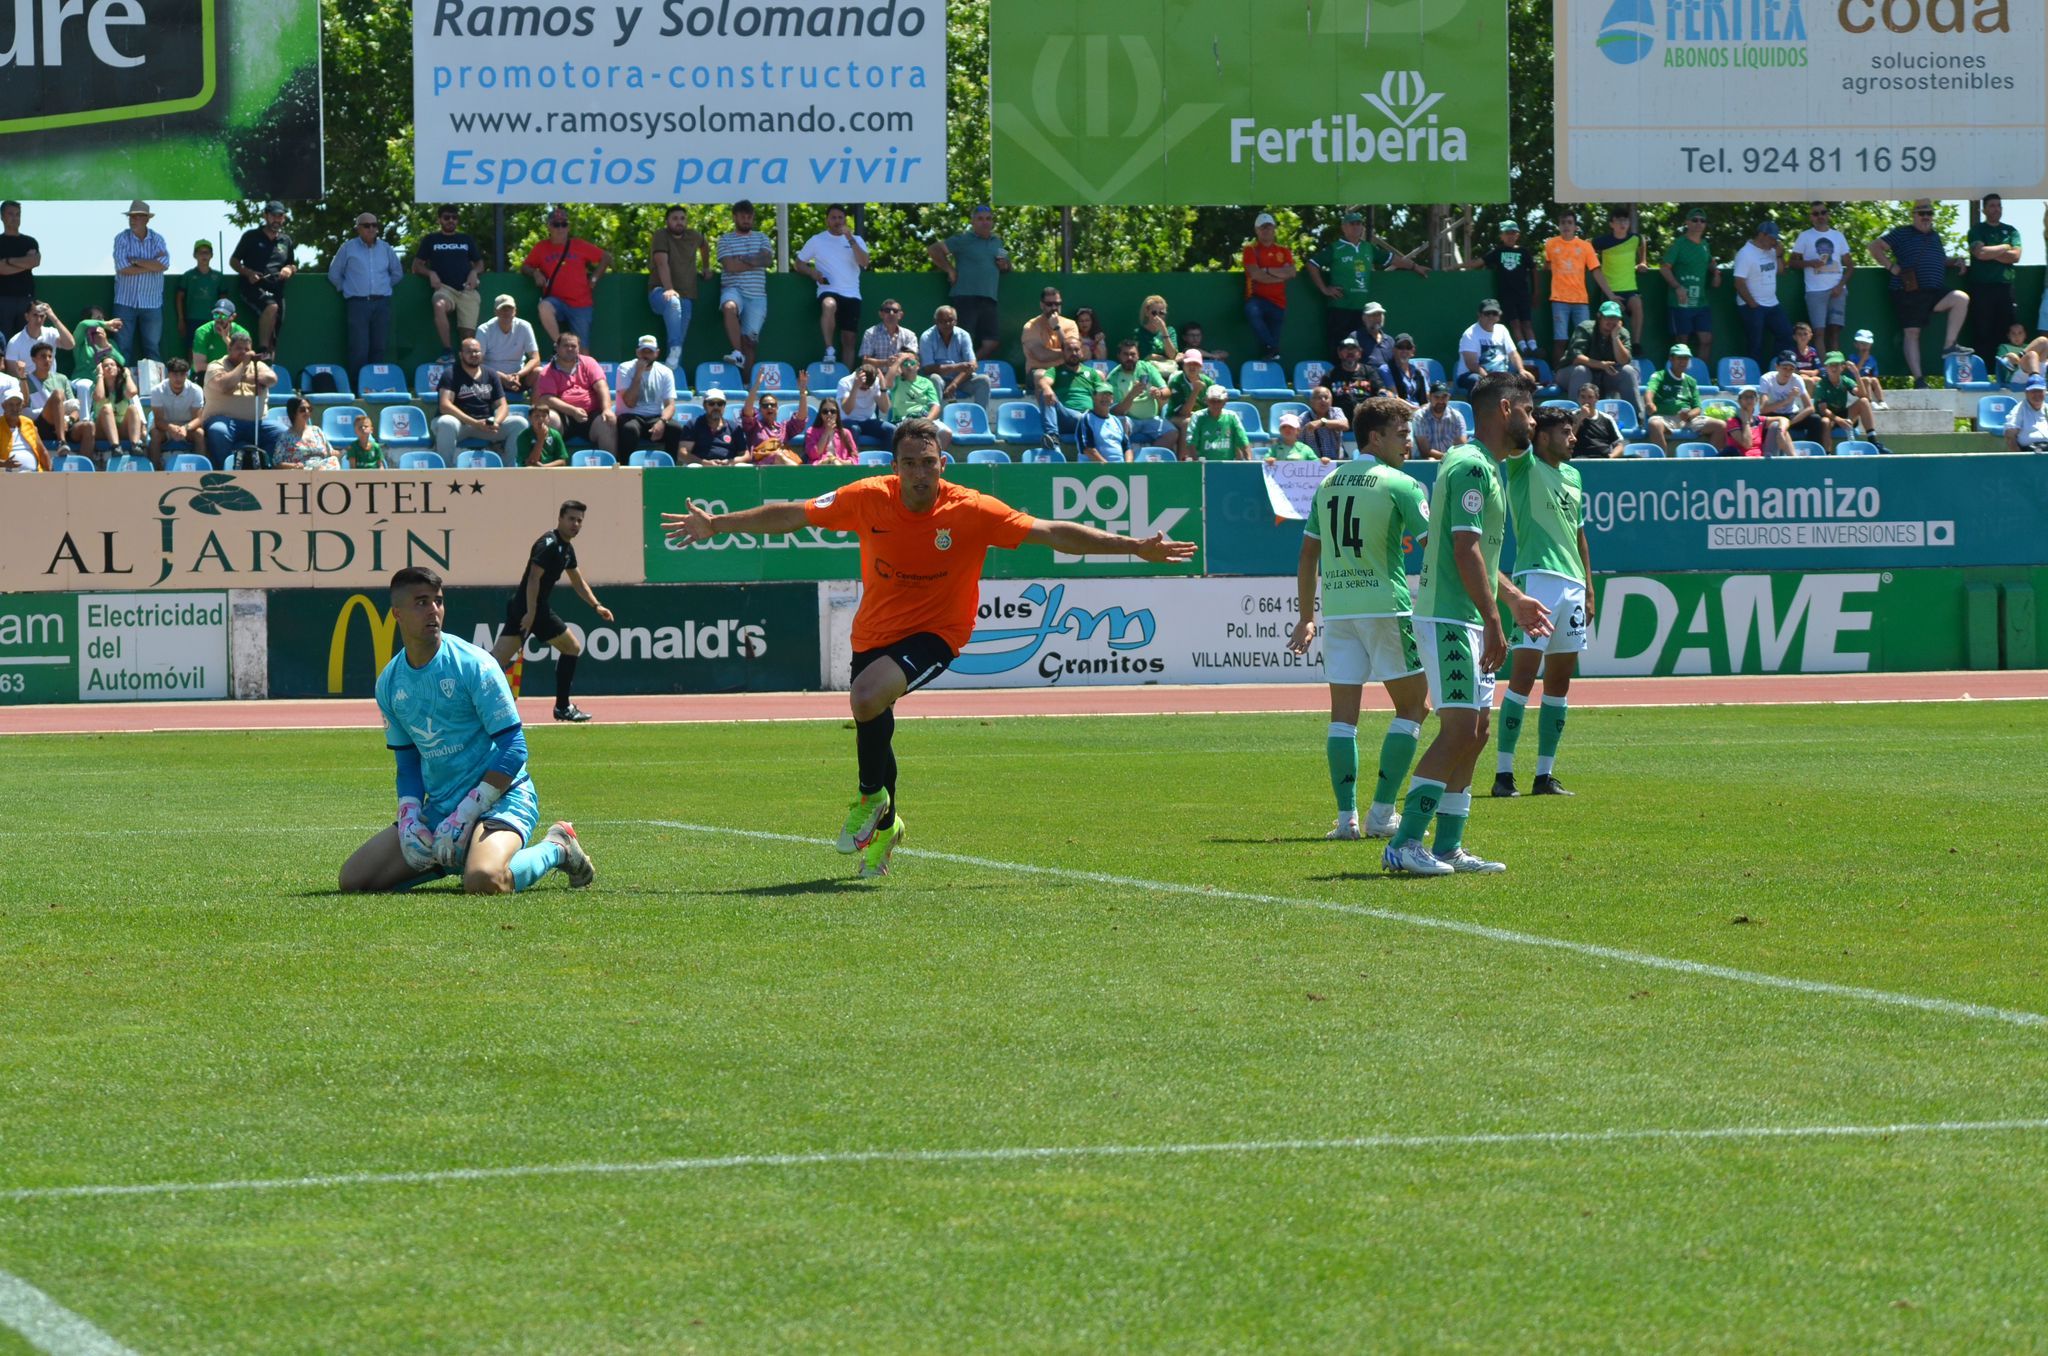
1512	708
1397	752
1549	730
1423	795
1341	749
1452	810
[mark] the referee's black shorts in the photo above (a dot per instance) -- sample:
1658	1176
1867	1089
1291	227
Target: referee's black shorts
546	625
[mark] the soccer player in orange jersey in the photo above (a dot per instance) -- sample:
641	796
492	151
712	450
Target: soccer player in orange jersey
922	543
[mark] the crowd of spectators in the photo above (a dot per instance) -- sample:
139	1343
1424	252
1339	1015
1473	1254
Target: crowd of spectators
1105	393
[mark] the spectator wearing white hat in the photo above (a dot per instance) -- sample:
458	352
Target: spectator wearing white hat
714	439
1268	265
141	258
1863	362
1287	444
364	271
2026	428
647	401
510	348
1217	434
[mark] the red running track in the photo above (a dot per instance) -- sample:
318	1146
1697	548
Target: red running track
990	703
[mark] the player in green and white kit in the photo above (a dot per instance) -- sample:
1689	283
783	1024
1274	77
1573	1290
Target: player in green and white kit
1554	564
1355	544
1458	626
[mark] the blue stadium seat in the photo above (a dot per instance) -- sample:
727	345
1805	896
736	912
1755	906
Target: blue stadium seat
340	395
72	461
724	376
650	456
1248	415
1623	414
777	379
688	412
1992	410
1697	450
1020	421
1155	454
190	462
284	385
1465	412
1265	380
1650	451
421	461
1219	375
825	377
381	381
1544	375
403	426
594	458
988	456
1560	403
1002	379
479	459
1645	369
426	381
877	458
1856	447
1309	375
1965	372
1102	365
1044	454
1802	448
969	423
338	422
130	463
1737	372
1431	368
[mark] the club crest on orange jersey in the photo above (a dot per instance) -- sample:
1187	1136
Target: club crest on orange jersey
943	539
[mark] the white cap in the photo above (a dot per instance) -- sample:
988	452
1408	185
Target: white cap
1264	219
1215	393
1290	420
713	394
10	389
646	341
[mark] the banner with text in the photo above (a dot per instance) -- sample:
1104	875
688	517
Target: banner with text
113	647
1217	102
761	638
206	99
679	101
283	529
1134	501
1741	100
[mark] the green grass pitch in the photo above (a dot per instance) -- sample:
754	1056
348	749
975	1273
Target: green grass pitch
183	1000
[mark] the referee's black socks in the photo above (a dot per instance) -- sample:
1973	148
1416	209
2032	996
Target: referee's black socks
565	678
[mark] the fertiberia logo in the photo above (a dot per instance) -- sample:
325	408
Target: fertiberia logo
1628	32
78	62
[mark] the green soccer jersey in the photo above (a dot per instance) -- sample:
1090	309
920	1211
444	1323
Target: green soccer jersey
1547	505
1075	387
1362	512
1668	393
1217	437
1987	270
1144	374
200	291
1835	395
1690	264
1467	498
1349	269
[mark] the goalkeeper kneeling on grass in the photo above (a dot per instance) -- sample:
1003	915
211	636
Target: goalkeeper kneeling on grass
466	805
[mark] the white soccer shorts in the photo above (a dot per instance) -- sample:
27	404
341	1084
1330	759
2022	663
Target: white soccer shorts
1565	599
1360	650
1450	656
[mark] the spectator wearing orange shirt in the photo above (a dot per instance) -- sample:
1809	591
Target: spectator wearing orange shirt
1570	259
1268	265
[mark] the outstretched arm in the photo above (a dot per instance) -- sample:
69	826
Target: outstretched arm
1079	539
699	525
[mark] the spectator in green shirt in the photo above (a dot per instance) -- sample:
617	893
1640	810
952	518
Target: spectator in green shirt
974	262
1842	408
199	287
365	453
212	341
548	449
1689	270
1673	399
1288	446
1067	392
1342	271
1154	337
1142	392
916	397
1216	434
1994	255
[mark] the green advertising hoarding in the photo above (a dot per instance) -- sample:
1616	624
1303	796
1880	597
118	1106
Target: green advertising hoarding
106	647
1223	102
186	99
1134	500
762	638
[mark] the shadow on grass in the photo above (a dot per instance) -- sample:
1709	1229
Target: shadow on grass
823	885
1272	841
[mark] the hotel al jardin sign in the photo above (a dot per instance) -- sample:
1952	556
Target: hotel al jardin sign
288	529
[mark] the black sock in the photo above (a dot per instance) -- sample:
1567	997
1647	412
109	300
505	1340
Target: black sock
565	676
873	744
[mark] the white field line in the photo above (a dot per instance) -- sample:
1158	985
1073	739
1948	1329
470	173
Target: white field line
1947	1007
1046	1154
48	1326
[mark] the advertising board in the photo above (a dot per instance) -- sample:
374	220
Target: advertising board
113	647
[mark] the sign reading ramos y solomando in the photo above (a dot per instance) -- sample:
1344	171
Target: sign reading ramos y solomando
680	101
1738	100
1210	102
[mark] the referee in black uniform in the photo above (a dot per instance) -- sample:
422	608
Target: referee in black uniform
529	612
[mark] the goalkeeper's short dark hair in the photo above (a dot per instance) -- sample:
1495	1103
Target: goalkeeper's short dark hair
413	576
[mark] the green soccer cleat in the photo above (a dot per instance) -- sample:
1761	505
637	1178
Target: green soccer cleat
861	818
874	860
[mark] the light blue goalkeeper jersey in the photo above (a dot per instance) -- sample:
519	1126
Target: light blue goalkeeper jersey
450	711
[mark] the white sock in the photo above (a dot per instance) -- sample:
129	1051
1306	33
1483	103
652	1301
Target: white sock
1455	803
1543	766
1406	727
1380	809
1339	730
1504	764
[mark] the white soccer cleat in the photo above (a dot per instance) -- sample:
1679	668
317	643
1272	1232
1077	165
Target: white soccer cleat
576	863
736	358
831	354
1344	831
1414	859
675	359
1377	827
1465	863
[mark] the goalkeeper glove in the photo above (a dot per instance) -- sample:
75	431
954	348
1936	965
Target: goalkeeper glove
451	833
413	839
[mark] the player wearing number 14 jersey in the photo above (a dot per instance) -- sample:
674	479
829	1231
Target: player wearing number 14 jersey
1356	545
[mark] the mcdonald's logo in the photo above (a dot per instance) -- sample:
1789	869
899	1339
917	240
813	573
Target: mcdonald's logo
383	638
